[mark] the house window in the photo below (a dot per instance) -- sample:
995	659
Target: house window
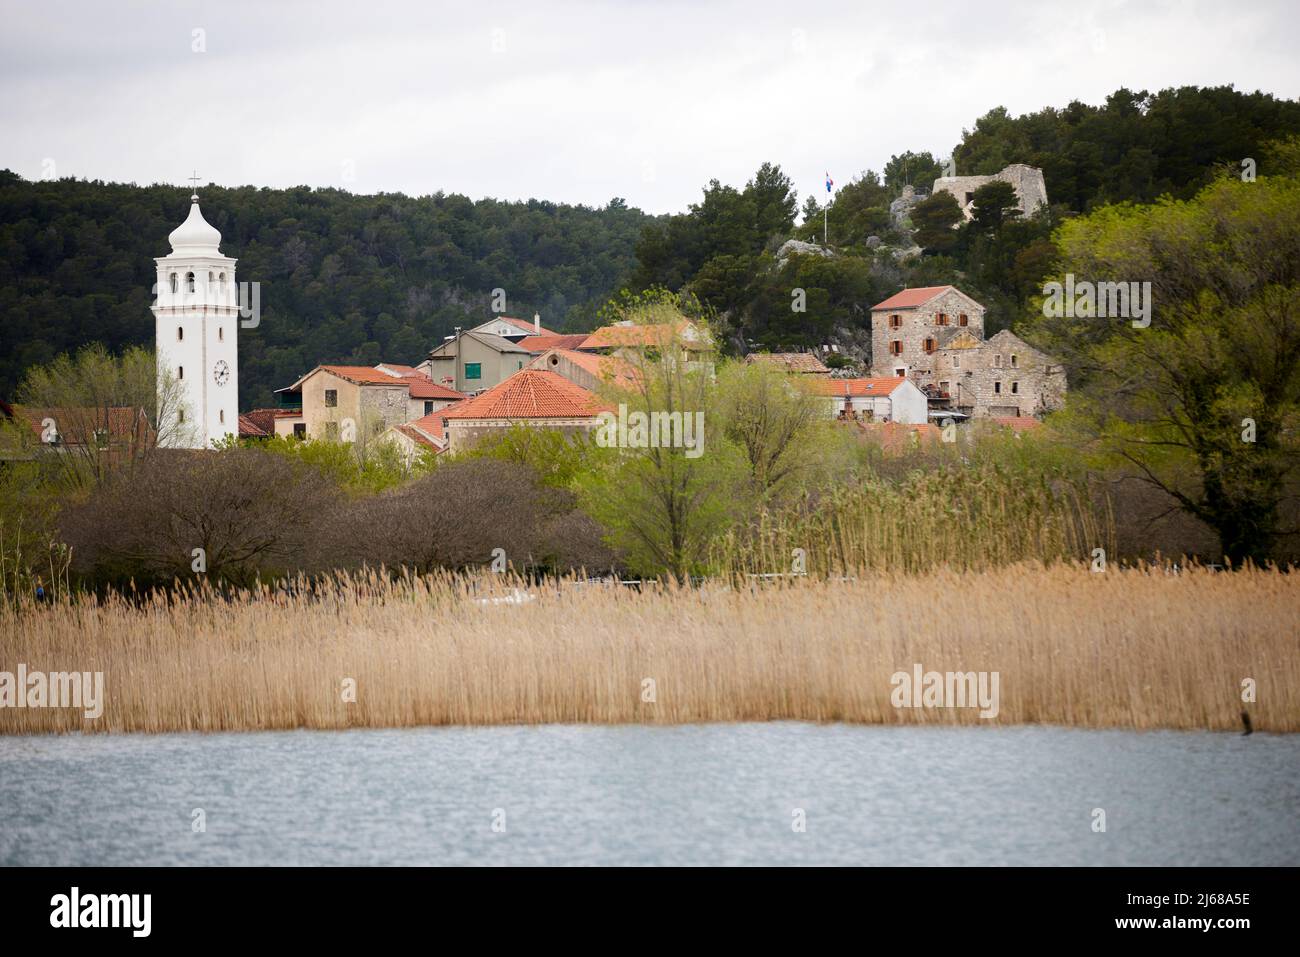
896	347
331	398
901	373
956	362
332	431
929	346
895	322
1015	388
300	430
1013	360
521	363
428	406
189	282
473	370
180	415
180	333
997	388
997	361
962	320
943	386
173	282
941	319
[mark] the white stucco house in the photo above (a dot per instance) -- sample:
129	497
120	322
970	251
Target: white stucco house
876	400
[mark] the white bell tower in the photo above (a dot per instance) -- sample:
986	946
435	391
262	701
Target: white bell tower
197	327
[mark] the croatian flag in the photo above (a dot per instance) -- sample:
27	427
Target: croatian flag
829	182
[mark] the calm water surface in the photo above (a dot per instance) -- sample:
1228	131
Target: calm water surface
703	794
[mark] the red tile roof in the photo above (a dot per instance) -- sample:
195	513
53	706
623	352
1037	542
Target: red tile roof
539	344
899	436
418	437
855	387
911	298
529	394
650	334
1018	423
77	425
422	387
260	419
608	368
525	325
248	429
431	424
361	375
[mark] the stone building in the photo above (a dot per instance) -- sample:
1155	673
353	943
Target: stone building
1030	187
934	336
1002	376
909	328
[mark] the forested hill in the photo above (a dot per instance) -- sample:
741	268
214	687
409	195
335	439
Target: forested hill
1135	147
344	278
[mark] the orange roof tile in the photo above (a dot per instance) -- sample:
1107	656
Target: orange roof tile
1019	423
650	334
526	325
610	368
855	387
418	437
899	436
263	419
362	375
431	424
911	298
529	394
539	344
422	387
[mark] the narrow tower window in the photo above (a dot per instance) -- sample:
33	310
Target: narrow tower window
221	333
180	333
180	372
189	282
173	282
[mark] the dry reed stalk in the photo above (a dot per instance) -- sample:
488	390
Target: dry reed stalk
1134	648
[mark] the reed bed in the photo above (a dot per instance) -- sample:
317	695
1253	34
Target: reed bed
1131	648
963	518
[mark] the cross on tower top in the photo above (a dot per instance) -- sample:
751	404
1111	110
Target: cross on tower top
195	181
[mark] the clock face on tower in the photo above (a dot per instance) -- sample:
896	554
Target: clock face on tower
221	373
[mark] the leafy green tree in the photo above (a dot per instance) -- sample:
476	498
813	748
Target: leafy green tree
912	169
774	200
995	203
664	504
935	220
1202	402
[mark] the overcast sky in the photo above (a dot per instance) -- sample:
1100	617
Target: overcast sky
576	102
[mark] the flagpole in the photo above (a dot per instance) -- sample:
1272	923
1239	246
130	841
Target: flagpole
826	221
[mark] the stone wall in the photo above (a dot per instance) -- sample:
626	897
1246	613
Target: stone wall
1031	188
919	324
1004	376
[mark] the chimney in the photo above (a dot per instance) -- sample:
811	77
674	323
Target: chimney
537	324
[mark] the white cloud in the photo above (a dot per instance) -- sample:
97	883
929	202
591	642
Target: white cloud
583	101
